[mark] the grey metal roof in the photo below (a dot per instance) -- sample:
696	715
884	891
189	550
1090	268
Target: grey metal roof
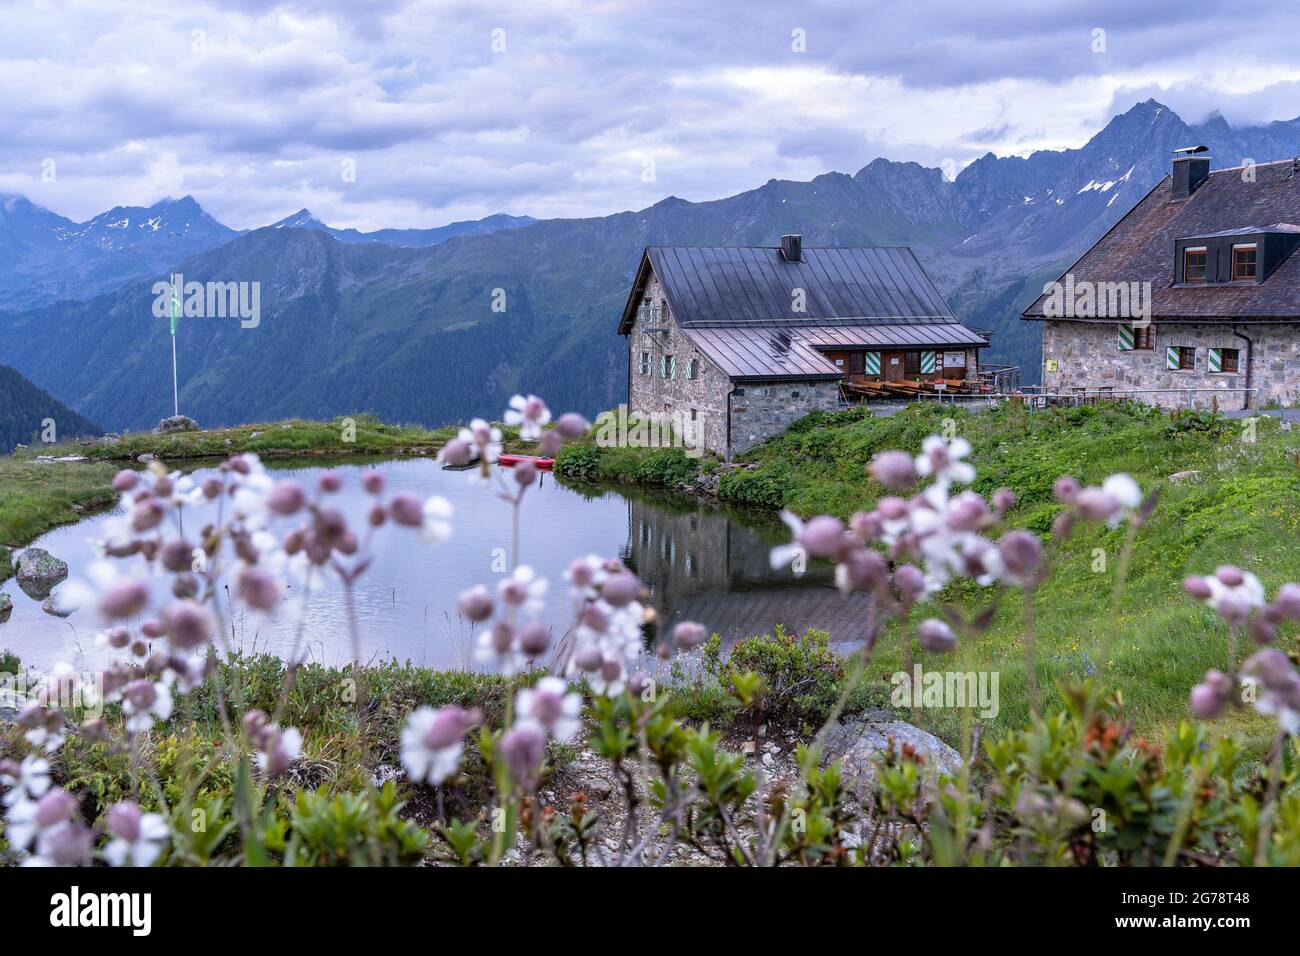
758	352
1279	227
892	336
728	285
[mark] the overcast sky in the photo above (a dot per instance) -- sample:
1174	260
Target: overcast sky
451	110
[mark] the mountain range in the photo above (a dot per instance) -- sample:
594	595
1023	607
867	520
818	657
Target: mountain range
26	411
436	325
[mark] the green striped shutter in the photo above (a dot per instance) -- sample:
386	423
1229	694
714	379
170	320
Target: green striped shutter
1126	338
1171	356
1216	360
927	363
872	364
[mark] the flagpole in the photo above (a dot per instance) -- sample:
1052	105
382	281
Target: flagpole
176	311
176	402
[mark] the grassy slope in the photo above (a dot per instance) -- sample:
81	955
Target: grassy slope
1240	509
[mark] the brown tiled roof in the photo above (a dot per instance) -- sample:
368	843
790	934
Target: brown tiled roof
1140	247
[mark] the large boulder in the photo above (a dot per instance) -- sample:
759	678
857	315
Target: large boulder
38	572
6	607
857	742
176	423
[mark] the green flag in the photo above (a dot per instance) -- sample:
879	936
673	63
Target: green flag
176	310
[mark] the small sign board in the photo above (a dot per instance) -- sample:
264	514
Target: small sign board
1052	365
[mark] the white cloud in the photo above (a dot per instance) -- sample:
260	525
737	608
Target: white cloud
254	106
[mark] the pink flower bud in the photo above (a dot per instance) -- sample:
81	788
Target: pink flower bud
893	469
822	536
866	525
864	570
447	727
595	618
892	508
967	512
455	453
1093	504
286	498
1197	587
1020	551
475	604
909	581
525	473
1262	630
124	821
406	510
1205	701
522	748
141	694
571	426
1230	576
1004	499
211	488
188	623
147	514
329	482
621	588
534	639
549	445
934	635
373	482
1066	489
125	480
580	574
690	634
503	638
54	808
254	723
1287	602
124	599
176	555
259	589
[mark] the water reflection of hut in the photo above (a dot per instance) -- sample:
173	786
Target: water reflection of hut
702	565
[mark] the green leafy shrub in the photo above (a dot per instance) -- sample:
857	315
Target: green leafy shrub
578	461
667	466
352	829
766	486
801	677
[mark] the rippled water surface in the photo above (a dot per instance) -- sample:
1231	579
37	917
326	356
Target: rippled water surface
699	563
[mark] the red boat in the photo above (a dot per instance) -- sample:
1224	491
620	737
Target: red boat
543	464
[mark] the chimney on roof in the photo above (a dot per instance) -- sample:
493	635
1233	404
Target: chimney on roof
792	248
1191	168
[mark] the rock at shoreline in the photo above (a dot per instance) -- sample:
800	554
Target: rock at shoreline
53	606
176	423
38	572
857	741
6	607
